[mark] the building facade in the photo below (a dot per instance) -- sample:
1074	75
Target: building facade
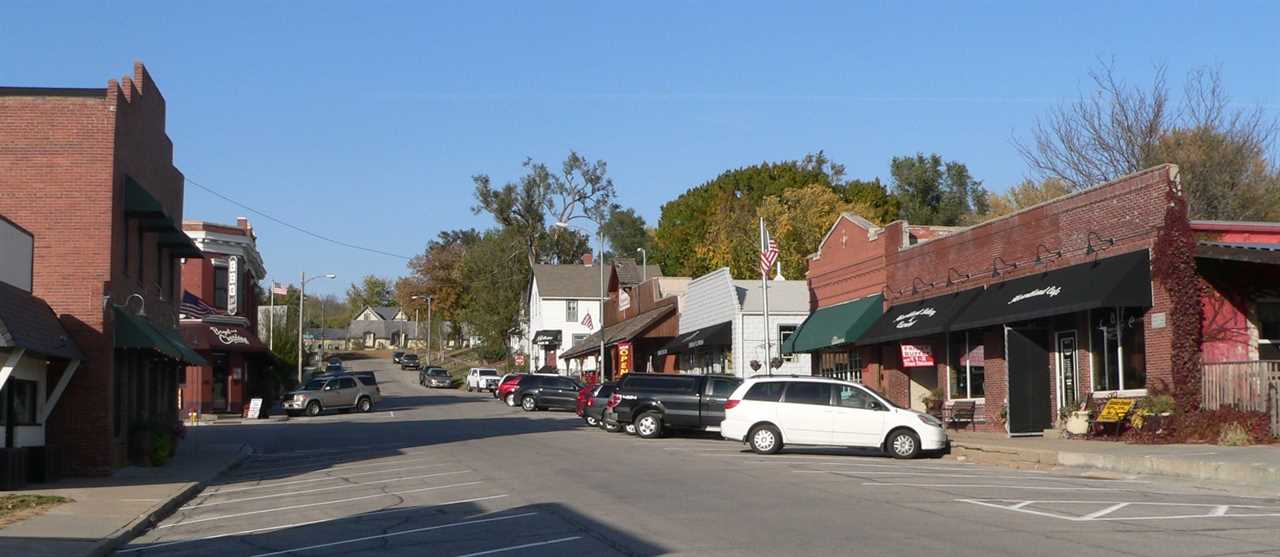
89	172
563	308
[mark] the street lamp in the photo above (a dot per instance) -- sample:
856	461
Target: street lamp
600	253
302	303
415	324
644	264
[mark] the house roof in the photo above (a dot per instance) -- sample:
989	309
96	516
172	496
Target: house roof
380	329
633	327
387	313
631	273
28	322
790	296
567	281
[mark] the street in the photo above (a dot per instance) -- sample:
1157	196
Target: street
445	472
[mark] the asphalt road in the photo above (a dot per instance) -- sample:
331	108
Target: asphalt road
443	472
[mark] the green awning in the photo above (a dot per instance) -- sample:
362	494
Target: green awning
835	325
135	332
140	204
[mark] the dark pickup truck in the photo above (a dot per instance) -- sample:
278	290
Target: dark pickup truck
655	402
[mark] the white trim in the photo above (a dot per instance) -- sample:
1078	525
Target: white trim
10	364
1123	393
57	390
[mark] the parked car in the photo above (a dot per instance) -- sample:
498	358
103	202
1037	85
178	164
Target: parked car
592	400
333	368
482	379
335	360
538	392
507	386
396	356
410	361
434	377
341	392
768	412
656	402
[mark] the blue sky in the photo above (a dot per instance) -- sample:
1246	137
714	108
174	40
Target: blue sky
366	120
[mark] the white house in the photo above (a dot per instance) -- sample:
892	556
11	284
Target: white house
563	309
722	325
385	328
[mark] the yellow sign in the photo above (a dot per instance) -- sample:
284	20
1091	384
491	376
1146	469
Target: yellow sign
624	357
1115	410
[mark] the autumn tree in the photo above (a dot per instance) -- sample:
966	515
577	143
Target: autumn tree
933	191
437	273
798	219
371	291
1026	194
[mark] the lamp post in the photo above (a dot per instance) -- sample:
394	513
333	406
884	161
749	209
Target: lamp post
415	324
644	264
302	304
600	378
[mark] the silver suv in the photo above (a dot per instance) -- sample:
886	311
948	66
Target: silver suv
340	392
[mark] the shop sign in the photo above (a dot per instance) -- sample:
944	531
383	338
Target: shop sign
624	357
916	355
908	320
1115	410
255	408
1049	291
229	336
519	359
233	285
624	300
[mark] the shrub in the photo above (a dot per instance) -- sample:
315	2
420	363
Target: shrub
1233	435
1206	426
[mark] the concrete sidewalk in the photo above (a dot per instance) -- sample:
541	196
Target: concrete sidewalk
1245	466
108	512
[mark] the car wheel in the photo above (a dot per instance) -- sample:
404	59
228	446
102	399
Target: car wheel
511	399
765	439
592	421
612	427
528	403
630	429
649	425
313	408
364	405
904	444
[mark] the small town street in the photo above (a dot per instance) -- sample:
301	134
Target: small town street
455	473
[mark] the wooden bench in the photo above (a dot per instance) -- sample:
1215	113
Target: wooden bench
963	411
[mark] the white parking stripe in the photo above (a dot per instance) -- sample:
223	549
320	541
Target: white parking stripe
888	473
310	522
1104	512
522	546
291	507
394	534
344	485
1002	486
322	478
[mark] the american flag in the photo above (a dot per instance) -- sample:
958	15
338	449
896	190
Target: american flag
279	289
768	251
193	306
586	321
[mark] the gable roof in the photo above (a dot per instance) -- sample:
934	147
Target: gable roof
872	229
380	329
387	313
631	273
567	281
28	322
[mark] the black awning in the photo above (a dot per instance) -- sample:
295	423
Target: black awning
547	337
920	318
715	335
1268	254
1123	280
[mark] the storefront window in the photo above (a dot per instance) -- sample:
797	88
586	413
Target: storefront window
841	365
967	361
784	333
220	287
1269	330
24	401
1119	349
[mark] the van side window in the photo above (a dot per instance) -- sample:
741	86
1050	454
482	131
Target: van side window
804	392
765	392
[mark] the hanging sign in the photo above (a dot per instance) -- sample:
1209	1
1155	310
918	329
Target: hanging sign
916	355
624	300
229	336
624	357
233	285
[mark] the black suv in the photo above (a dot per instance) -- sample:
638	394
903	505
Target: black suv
654	402
410	361
537	392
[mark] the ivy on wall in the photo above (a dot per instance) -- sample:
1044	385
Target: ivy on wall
1174	267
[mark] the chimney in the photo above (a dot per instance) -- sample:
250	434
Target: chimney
586	260
243	224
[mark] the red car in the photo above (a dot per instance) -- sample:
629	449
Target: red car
584	398
506	390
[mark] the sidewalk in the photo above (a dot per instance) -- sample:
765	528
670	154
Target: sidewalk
108	512
1246	466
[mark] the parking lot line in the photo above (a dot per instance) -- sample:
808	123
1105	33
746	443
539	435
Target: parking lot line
1001	486
311	522
322	478
400	533
889	473
292	507
330	488
521	546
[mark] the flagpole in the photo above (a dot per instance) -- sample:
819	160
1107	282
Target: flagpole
764	282
271	317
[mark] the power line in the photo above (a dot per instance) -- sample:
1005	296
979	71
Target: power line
295	227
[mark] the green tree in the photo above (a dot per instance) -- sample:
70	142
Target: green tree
625	231
932	191
437	273
370	291
871	197
798	219
495	273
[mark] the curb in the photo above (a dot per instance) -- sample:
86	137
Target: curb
160	511
1239	473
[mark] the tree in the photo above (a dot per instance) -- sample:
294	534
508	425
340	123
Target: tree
437	273
625	231
932	191
798	219
541	198
871	196
370	291
495	273
1026	194
1118	129
565	248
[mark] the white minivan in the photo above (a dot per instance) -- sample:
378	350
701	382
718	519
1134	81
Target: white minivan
767	412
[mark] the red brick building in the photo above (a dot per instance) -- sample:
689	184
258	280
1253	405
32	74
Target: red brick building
226	279
89	172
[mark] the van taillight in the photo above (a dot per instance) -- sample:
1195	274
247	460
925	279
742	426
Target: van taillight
730	404
614	400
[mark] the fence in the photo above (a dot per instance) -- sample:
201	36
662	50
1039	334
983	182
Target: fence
1251	386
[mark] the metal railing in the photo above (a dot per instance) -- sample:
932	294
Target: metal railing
1252	386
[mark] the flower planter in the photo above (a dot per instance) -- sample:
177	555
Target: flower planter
1078	422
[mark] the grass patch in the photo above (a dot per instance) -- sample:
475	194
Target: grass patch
17	507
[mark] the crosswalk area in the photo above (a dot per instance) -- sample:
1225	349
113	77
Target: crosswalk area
383	499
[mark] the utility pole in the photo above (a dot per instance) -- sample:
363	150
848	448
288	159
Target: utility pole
302	303
322	331
428	330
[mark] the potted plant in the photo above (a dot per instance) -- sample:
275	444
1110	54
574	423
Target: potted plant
1078	420
933	401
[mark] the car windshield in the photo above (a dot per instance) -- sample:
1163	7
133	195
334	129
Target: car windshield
488	372
410	357
437	372
314	385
